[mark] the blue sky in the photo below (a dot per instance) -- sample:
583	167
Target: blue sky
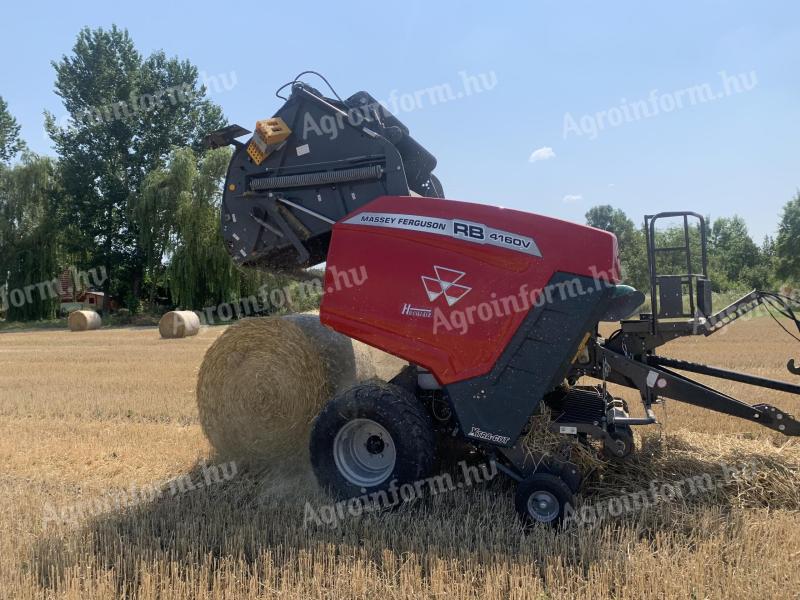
642	80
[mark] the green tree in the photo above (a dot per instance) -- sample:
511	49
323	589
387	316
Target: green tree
632	245
787	242
180	211
734	257
29	238
154	212
10	142
126	112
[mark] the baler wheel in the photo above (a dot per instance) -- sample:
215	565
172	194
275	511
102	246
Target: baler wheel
543	498
370	436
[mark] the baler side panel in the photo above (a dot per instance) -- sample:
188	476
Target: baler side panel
496	407
398	264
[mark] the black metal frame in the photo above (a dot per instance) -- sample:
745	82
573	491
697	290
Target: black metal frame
689	277
772	384
279	214
653	381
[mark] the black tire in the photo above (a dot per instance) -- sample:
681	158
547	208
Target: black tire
571	475
622	444
398	413
554	495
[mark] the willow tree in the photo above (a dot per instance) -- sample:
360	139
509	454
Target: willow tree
154	213
178	216
201	272
29	232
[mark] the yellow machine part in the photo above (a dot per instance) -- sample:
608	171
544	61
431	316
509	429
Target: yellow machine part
582	355
269	134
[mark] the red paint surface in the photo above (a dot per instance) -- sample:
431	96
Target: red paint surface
372	272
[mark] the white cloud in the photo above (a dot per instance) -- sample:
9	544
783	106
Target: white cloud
543	153
572	198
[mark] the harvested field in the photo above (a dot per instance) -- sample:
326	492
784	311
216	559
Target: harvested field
105	493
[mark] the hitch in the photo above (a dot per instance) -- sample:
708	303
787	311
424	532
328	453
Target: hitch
652	380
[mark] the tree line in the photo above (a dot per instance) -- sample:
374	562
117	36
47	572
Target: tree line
133	192
735	261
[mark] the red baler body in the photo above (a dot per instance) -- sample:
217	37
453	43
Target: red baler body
446	284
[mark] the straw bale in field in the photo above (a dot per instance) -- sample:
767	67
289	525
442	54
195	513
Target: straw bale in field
264	380
84	320
179	324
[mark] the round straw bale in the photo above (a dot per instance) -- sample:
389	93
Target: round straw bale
264	380
84	320
179	324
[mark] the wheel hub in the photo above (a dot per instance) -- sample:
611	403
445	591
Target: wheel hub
543	506
375	444
364	452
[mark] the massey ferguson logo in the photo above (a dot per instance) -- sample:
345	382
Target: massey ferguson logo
445	284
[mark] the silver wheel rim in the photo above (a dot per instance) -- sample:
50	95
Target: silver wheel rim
364	452
543	506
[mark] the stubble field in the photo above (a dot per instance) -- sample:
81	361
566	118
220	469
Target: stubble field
87	419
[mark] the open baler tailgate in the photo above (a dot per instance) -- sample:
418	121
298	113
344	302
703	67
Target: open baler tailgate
315	161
